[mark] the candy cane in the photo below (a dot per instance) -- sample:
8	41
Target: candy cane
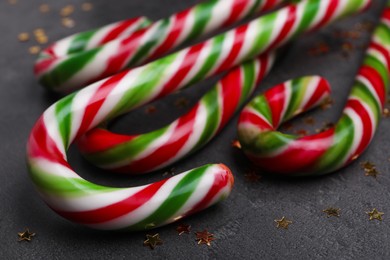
166	201
68	64
138	154
332	149
151	151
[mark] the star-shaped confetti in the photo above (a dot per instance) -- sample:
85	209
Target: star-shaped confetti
367	166
183	229
386	113
236	144
204	237
153	240
252	176
372	172
309	120
283	223
26	235
332	212
375	214
327	103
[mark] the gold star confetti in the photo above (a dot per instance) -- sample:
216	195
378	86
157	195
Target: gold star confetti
68	22
204	237
375	214
368	166
302	132
328	102
44	8
150	109
39	32
34	49
332	212
181	102
309	120
372	172
23	37
386	113
26	235
12	2
283	223
183	229
86	7
67	10
252	176
236	144
153	240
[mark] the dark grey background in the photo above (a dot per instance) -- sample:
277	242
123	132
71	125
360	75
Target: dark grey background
243	224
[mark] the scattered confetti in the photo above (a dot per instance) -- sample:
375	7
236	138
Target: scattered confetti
44	8
372	172
327	103
86	7
386	113
309	120
302	132
283	223
367	166
183	229
12	2
319	49
34	49
150	109
252	176
26	235
204	237
326	127
153	240
375	214
236	144
67	10
182	102
332	212
68	22
23	37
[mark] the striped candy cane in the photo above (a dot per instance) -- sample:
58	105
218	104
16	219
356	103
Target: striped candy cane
151	151
330	150
148	206
164	146
73	62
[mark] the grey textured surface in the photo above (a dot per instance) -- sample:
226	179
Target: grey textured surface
244	224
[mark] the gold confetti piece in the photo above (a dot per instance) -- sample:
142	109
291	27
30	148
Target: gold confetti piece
253	176
204	237
153	240
309	120
150	109
236	144
39	32
67	10
12	2
42	39
34	49
328	102
375	214
332	212
367	166
386	112
86	7
68	22
182	102
26	235
283	223
23	37
372	173
302	132
44	8
183	229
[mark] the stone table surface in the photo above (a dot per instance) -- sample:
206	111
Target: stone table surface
243	225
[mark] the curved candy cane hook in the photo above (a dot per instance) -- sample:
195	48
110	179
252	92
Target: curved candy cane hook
87	57
163	202
330	150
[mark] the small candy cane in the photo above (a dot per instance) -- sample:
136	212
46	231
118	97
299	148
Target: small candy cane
163	202
334	148
85	58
